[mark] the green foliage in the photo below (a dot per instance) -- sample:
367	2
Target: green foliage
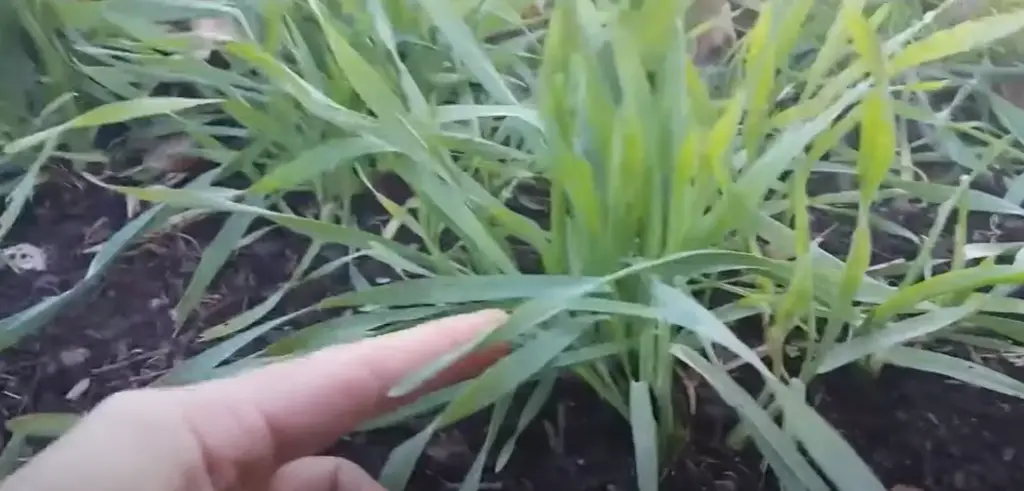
679	198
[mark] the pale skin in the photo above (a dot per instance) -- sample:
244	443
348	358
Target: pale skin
258	431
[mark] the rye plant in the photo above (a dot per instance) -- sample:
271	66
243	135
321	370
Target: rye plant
676	205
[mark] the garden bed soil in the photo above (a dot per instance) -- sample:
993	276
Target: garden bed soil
918	431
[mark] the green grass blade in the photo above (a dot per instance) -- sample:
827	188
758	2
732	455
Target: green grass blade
645	436
418	104
308	96
21	193
315	229
249	317
956	281
200	367
555	300
12	454
779	449
498	380
426	404
955	368
367	82
540	395
214	257
244	319
681	309
313	163
402	460
463	220
963	37
472	480
764	171
894	334
827	447
467	50
463	112
458	289
114	112
42	425
974	199
514	369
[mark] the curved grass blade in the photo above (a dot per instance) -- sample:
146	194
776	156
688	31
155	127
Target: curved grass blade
467	50
312	163
456	289
463	112
43	425
372	88
461	219
779	449
16	200
114	112
498	380
437	399
213	259
201	366
540	395
472	480
418	105
315	229
974	199
955	368
961	38
16	326
244	319
247	318
951	282
826	446
402	460
308	96
681	309
894	334
547	303
514	369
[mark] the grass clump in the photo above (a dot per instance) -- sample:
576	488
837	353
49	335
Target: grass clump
676	200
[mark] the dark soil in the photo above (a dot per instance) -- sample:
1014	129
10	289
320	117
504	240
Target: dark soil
916	430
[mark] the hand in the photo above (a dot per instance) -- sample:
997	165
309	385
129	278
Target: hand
256	431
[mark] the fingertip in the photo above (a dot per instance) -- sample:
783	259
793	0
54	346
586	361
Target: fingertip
490	318
459	327
495	314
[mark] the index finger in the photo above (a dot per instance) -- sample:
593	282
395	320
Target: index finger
307	403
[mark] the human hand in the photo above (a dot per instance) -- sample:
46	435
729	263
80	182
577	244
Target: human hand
256	431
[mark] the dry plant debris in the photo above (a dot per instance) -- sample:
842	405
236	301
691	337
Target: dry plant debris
24	257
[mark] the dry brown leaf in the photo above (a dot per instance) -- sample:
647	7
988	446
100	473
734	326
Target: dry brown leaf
536	9
24	257
171	155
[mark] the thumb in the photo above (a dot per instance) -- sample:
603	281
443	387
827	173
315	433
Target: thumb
322	474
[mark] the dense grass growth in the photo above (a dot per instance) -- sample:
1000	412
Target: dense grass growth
675	199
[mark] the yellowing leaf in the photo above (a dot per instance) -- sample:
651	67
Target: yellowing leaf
961	38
